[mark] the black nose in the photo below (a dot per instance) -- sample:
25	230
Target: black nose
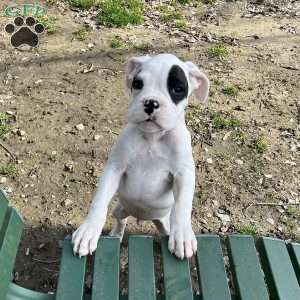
150	105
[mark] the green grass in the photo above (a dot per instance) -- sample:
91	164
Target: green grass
82	34
292	210
181	24
168	14
142	46
218	51
4	127
51	2
220	122
261	144
117	43
84	4
231	90
9	170
248	229
48	22
120	13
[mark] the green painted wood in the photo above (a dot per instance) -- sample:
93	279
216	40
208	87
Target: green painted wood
141	268
248	275
10	236
294	250
3	207
177	277
211	269
106	269
277	265
72	274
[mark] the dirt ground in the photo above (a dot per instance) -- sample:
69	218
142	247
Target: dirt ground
246	138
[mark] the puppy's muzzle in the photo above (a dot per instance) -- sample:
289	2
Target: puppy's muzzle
150	106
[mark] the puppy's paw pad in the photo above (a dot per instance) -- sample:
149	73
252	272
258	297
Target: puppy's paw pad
24	31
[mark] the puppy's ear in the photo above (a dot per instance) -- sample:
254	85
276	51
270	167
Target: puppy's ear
133	66
198	81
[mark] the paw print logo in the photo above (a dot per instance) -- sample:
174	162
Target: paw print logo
24	31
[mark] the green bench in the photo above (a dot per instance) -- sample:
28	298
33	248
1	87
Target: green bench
266	269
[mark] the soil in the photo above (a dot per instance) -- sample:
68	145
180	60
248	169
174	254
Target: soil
246	174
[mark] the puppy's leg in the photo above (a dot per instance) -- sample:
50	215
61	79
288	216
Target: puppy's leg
121	216
163	225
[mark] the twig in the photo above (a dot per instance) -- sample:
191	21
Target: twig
45	261
290	68
275	204
8	151
272	204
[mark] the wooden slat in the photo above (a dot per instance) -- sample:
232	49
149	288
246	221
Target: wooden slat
10	236
294	250
71	276
106	269
280	274
211	269
177	277
248	275
141	268
3	207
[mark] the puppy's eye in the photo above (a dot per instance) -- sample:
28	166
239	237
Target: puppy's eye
137	84
178	90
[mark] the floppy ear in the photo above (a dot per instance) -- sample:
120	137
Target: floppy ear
133	66
198	81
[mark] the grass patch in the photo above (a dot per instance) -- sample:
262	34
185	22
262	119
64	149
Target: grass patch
218	51
82	34
48	22
117	43
248	229
220	122
169	14
261	145
4	127
84	4
292	210
239	137
231	90
9	170
142	46
181	24
120	13
51	2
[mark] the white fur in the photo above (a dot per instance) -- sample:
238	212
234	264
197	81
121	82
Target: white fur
151	166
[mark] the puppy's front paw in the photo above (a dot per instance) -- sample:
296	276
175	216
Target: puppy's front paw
85	238
182	241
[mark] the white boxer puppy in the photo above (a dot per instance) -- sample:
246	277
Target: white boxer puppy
151	166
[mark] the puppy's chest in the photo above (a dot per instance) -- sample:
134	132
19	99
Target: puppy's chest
150	160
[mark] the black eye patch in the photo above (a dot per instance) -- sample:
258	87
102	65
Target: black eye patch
177	84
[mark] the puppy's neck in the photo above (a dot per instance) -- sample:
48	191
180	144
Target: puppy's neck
155	136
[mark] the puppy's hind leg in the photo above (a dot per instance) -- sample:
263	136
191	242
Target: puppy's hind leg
163	225
121	216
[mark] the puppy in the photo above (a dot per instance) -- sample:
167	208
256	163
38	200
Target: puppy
151	166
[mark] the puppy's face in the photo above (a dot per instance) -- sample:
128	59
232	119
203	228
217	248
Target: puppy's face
159	89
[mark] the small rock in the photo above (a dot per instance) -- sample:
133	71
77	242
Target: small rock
209	161
91	45
80	127
27	251
69	166
67	202
97	137
224	218
3	180
271	221
38	81
21	132
239	162
268	176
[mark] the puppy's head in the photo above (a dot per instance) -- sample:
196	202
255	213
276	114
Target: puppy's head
159	89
